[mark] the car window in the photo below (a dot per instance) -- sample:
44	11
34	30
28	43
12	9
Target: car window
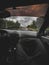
47	32
24	17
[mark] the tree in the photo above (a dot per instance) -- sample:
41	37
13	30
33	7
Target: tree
17	25
33	26
39	21
8	24
2	23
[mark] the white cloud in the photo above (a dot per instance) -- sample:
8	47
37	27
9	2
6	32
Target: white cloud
23	20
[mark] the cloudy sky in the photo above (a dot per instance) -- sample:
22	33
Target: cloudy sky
26	14
23	20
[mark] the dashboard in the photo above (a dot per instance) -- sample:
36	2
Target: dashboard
17	44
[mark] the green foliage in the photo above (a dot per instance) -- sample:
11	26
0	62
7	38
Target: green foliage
33	26
39	22
13	25
17	25
2	24
9	24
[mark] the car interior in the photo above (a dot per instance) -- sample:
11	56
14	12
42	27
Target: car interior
18	47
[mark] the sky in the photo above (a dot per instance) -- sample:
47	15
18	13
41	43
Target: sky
23	20
26	14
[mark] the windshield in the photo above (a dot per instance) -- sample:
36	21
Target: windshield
24	17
